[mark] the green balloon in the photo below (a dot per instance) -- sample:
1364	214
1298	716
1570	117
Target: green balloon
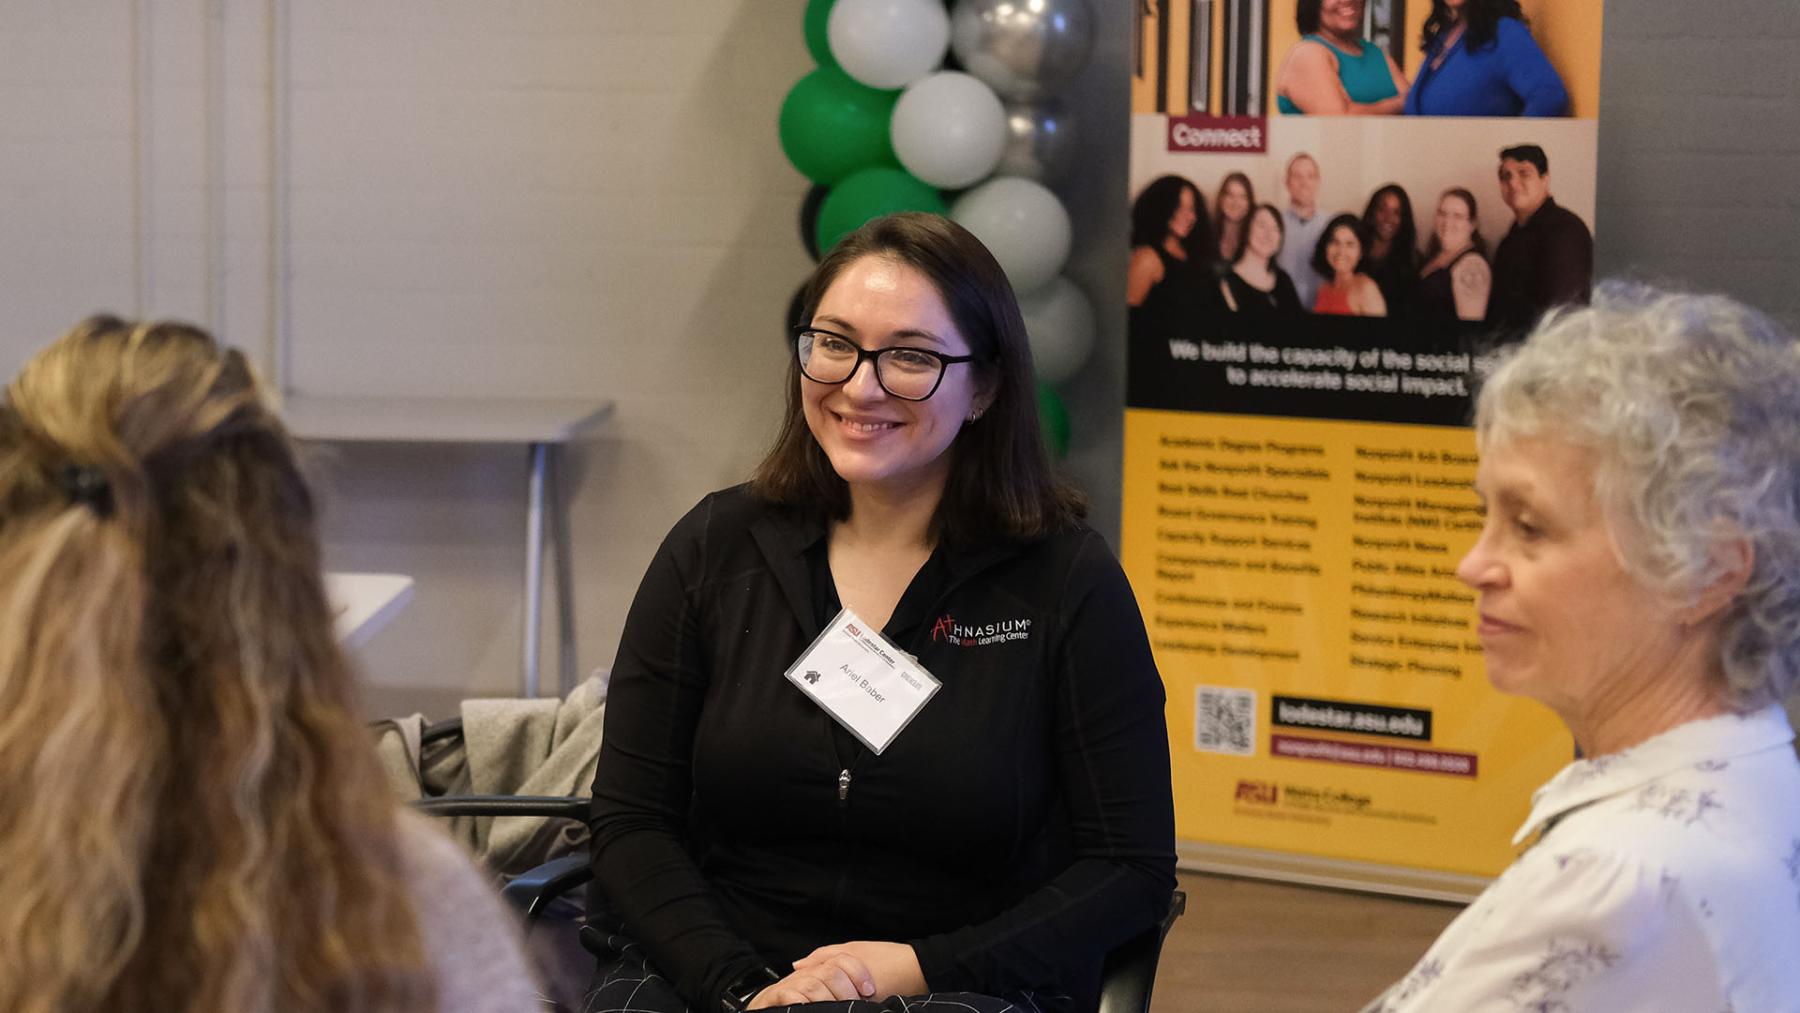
818	43
871	193
1053	419
832	125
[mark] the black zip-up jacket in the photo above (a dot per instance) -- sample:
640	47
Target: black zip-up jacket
1019	827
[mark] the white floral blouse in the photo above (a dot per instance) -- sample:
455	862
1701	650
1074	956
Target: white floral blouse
1664	877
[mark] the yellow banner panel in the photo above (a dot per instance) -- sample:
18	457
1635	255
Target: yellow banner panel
1326	691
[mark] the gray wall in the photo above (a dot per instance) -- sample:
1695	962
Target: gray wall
1700	147
587	198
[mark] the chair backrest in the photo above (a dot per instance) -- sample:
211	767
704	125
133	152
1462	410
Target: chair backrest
1129	973
564	967
533	890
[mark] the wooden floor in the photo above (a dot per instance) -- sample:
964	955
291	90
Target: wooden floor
1249	946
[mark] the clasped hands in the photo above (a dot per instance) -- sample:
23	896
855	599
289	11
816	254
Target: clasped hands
857	970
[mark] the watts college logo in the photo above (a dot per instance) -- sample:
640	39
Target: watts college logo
1258	792
948	631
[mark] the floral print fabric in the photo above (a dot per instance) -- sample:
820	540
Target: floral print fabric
1664	877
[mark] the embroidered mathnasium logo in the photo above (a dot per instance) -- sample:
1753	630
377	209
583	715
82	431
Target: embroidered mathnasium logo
948	631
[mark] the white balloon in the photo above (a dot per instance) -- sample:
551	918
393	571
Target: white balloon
888	43
1059	321
1022	224
949	129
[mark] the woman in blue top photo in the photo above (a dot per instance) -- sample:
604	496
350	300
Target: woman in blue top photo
1480	60
1333	70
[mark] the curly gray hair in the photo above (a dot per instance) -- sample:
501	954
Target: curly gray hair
1692	403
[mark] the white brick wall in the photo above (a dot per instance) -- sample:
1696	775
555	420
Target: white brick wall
539	199
577	198
587	198
66	173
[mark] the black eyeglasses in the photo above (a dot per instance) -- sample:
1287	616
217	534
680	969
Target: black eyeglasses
910	374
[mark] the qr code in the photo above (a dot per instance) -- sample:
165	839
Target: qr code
1225	720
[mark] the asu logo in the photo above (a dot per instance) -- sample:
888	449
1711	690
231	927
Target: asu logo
853	630
1258	792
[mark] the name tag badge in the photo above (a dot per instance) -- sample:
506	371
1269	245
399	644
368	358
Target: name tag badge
860	678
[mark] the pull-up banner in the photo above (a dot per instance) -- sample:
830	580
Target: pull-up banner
1333	230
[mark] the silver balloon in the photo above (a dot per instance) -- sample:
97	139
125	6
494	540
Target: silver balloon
1023	49
1040	140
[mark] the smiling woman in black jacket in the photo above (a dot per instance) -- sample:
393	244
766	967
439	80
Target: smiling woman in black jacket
1020	824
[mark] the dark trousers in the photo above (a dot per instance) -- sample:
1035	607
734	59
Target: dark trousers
626	983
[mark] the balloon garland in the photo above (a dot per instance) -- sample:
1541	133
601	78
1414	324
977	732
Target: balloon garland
881	125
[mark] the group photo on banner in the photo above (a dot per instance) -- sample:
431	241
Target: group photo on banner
1340	210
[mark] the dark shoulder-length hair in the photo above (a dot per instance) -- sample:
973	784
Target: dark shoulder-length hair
1405	249
1343	221
1306	15
1481	21
1001	483
1156	204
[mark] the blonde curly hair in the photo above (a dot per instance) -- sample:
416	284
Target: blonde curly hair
191	816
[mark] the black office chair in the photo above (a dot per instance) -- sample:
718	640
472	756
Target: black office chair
532	892
1126	979
1129	974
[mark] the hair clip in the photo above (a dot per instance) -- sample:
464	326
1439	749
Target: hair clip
86	485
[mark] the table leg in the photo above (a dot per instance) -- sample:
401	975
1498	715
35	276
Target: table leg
534	567
562	545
